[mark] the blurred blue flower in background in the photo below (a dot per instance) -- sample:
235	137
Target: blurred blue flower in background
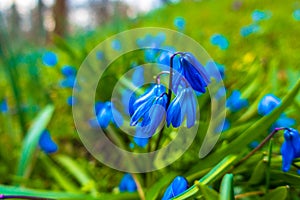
183	105
139	138
248	30
254	144
46	143
3	106
283	121
296	15
267	104
290	148
69	73
116	45
49	59
152	41
138	76
215	70
235	103
259	15
221	128
127	184
105	114
220	41
179	23
178	185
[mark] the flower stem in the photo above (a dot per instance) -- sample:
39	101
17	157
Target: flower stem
2	196
171	76
270	136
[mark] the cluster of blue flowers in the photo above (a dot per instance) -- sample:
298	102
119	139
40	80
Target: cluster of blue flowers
155	105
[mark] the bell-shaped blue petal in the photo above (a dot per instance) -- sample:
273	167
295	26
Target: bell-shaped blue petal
46	143
267	104
194	72
178	185
127	184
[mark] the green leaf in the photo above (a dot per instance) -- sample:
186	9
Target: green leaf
88	184
258	173
279	193
10	190
153	192
211	176
226	191
207	192
287	178
32	138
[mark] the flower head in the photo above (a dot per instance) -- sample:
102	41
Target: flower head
290	148
178	185
46	143
127	184
183	105
235	102
194	72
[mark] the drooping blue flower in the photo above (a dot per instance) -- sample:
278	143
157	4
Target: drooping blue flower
68	71
148	110
179	23
259	15
49	59
194	72
105	114
116	45
296	15
178	185
127	184
248	30
267	104
235	102
46	143
183	105
220	41
3	106
290	148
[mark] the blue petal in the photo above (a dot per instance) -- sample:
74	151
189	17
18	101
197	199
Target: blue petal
68	71
267	104
287	155
178	185
49	59
127	183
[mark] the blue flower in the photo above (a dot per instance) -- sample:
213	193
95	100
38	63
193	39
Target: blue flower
178	185
99	55
127	184
148	110
267	104
3	106
68	71
179	23
68	82
139	138
151	41
220	41
248	30
46	143
183	105
296	15
116	45
194	72
105	114
215	70
283	121
235	102
290	148
138	76
258	15
223	127
49	59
